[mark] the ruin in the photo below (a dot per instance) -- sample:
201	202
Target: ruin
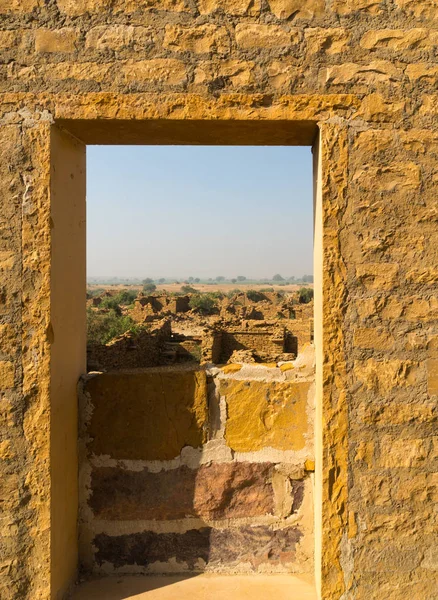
354	79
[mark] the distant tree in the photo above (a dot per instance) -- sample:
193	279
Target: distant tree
162	280
292	278
191	279
241	278
197	280
149	288
277	277
307	278
305	295
220	278
147	280
210	279
233	280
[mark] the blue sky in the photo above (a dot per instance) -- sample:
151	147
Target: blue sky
181	211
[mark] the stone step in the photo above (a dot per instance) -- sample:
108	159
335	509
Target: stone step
200	587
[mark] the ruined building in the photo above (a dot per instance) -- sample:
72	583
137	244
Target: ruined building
357	81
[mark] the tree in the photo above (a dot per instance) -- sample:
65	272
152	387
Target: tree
220	278
188	289
190	279
149	288
147	280
277	277
162	280
305	295
241	278
233	280
203	303
307	278
197	280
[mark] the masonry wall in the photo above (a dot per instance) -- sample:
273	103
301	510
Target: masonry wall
365	72
188	470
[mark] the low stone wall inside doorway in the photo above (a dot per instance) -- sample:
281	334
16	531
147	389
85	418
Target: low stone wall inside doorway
192	470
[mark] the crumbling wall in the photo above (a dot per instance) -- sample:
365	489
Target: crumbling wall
198	470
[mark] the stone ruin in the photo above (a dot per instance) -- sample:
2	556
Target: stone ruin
357	81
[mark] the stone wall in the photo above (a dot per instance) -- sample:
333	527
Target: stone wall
186	71
198	470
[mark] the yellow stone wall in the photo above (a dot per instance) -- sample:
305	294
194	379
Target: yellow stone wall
366	72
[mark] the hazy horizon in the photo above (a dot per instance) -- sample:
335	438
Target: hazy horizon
189	211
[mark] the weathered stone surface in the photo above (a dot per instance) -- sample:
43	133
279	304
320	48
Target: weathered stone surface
230	7
400	39
162	412
117	37
432	376
200	40
283	9
372	73
59	40
251	36
328	40
18	6
160	70
214	491
264	415
254	546
373	338
383	376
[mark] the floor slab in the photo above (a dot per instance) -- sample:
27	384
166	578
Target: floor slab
201	587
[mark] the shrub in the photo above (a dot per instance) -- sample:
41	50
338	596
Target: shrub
255	296
149	288
203	303
305	295
267	289
126	297
188	289
103	327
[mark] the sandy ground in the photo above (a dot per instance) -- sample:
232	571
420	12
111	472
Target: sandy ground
214	287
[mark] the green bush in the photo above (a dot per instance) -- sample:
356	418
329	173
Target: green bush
255	296
188	289
203	303
126	297
103	327
305	295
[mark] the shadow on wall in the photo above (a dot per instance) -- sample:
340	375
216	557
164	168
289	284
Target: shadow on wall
163	493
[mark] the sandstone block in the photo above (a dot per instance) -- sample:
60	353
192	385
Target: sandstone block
9	39
230	7
7	375
400	39
422	72
117	37
400	413
346	7
376	109
385	375
281	74
140	6
56	40
250	36
150	415
19	6
328	41
372	73
6	413
264	415
415	488
377	275
426	9
236	73
7	260
199	40
8	341
299	9
214	491
373	338
391	178
432	376
249	546
75	8
6	452
87	71
168	71
403	452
